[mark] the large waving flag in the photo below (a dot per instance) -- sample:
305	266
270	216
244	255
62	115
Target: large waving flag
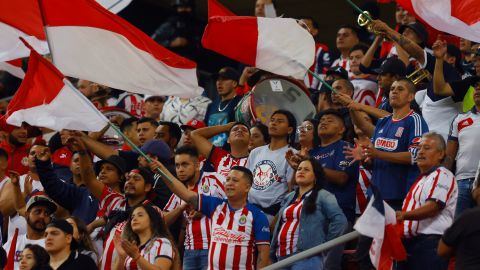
91	43
47	99
217	9
20	18
278	45
379	222
114	6
457	17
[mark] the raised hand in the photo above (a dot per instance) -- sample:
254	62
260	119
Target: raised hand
439	49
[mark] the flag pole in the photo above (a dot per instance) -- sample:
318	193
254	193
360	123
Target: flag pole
359	10
114	127
40	7
318	78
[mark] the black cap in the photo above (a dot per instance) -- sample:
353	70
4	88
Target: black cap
418	28
454	51
393	66
338	70
145	173
228	73
66	227
41	199
115	160
473	80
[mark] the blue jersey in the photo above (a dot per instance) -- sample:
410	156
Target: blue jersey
332	157
393	179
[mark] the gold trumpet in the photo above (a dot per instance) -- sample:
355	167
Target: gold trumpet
419	75
364	19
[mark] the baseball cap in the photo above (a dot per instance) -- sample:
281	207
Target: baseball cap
147	97
66	227
115	160
194	124
229	74
157	148
394	66
41	199
338	70
418	28
145	173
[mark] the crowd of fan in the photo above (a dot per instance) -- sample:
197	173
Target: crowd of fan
214	193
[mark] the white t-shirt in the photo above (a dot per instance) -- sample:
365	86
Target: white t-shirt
21	242
19	221
179	112
2	184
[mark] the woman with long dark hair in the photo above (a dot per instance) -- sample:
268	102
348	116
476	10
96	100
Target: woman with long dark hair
81	235
309	216
34	257
146	242
307	136
258	136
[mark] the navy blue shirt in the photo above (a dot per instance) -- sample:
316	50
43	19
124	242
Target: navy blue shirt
394	179
332	157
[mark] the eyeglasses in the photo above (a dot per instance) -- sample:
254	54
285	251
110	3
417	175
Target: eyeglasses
304	128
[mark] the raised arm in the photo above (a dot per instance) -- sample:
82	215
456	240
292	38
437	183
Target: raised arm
413	49
175	185
200	137
368	57
440	86
101	150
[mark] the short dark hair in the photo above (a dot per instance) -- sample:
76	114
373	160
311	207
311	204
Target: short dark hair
360	46
351	27
314	22
348	83
3	153
128	123
333	112
292	122
173	129
147	120
239	124
410	85
245	171
187	150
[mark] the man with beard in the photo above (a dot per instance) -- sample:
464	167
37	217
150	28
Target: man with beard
16	146
39	208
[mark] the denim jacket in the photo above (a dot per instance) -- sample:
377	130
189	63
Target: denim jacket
326	223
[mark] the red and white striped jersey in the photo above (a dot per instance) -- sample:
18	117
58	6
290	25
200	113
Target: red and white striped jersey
222	161
109	254
132	103
111	200
288	235
364	91
235	233
155	248
364	177
439	186
197	233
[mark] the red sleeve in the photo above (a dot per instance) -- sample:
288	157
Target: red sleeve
216	156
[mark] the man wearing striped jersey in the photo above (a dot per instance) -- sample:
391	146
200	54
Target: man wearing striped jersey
429	207
238	228
365	85
197	232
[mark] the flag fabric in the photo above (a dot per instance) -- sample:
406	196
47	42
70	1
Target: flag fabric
20	18
217	9
456	17
114	6
277	45
13	67
47	99
11	252
91	43
379	222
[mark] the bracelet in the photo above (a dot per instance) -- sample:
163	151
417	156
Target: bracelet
82	152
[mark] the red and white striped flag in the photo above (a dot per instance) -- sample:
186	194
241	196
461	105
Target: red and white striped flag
47	99
91	43
457	17
11	252
20	18
277	45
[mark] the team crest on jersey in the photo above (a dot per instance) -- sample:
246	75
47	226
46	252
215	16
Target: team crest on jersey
386	144
465	123
399	132
205	188
24	161
265	174
242	220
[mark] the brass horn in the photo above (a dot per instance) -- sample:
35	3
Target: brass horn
419	75
364	20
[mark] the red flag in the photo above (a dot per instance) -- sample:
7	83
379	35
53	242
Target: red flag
11	252
456	17
217	9
91	43
46	99
13	67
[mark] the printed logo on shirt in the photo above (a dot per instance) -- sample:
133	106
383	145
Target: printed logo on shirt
326	155
24	161
386	144
399	132
381	131
264	175
242	220
220	235
465	123
205	188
